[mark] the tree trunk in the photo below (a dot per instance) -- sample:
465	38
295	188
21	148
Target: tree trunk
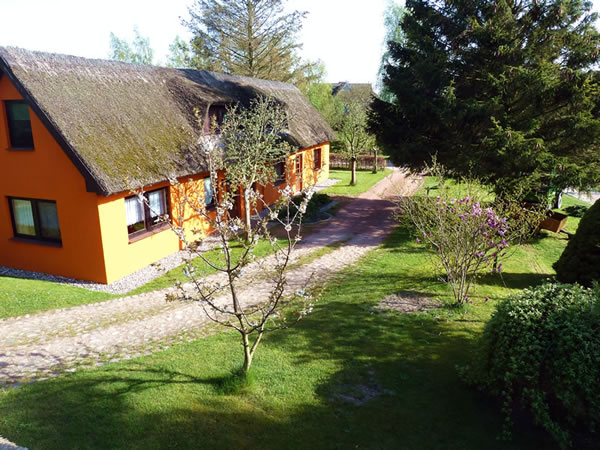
375	160
247	214
248	354
353	179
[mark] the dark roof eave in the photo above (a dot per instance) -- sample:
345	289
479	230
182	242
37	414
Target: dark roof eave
92	184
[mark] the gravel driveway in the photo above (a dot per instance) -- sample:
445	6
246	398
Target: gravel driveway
42	345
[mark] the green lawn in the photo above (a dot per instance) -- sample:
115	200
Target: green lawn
364	181
179	398
22	296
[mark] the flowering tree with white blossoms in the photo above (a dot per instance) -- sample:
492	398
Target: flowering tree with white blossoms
467	237
254	143
248	295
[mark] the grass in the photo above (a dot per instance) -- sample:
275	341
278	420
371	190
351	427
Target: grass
456	189
22	296
187	397
364	181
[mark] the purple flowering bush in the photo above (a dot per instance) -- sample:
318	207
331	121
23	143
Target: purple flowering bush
467	236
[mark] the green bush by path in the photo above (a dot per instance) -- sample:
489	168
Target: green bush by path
313	208
580	262
541	351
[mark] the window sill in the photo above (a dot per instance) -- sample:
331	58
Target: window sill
37	241
145	234
20	149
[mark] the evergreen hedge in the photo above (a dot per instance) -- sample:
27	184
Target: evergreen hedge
580	261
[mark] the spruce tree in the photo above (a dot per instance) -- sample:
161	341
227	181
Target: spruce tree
504	90
254	38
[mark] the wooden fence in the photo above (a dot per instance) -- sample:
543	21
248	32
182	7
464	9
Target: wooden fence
363	162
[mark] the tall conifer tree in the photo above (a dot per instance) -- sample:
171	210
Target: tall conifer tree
254	38
504	90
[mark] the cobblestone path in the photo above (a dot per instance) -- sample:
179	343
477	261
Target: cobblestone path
42	345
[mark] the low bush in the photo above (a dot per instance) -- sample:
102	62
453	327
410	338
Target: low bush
313	208
580	261
541	352
467	235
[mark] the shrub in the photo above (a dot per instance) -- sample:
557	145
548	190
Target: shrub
467	236
313	208
541	351
580	261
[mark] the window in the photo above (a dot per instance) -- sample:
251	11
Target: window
146	216
299	163
209	193
19	125
35	219
317	158
280	173
216	113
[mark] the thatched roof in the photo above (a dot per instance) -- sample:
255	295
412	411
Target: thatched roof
361	93
127	124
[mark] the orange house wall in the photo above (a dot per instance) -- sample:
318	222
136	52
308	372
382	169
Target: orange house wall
47	173
123	257
310	176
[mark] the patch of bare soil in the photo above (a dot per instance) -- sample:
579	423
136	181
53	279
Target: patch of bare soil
360	393
408	302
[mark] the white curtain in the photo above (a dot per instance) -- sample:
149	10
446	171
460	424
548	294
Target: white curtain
23	213
208	192
135	210
157	203
49	220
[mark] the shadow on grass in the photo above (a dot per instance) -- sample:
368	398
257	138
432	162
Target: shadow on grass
395	386
576	210
514	280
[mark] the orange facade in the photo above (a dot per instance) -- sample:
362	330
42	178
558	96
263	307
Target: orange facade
95	244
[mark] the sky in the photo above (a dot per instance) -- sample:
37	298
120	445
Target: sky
345	34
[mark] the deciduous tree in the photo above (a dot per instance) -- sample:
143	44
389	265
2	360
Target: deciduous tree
354	135
139	51
253	140
251	299
392	17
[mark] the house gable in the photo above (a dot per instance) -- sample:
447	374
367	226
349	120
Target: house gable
46	173
17	86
